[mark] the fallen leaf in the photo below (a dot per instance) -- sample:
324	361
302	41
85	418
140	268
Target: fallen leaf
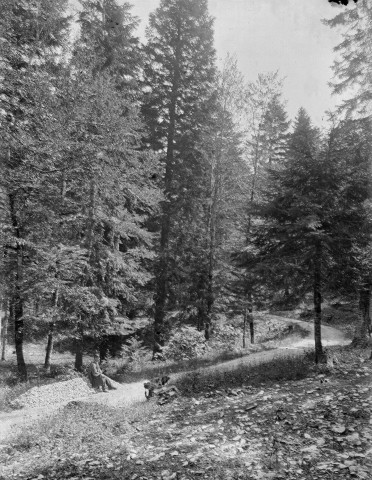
338	429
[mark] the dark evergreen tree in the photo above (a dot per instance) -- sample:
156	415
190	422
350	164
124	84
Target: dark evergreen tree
353	65
265	144
33	36
353	79
179	75
109	192
107	42
315	200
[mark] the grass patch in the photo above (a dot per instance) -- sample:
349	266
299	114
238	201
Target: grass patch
282	368
267	339
159	368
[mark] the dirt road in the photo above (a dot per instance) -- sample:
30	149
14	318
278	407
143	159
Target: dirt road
127	394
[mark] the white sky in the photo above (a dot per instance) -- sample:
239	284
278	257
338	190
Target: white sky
270	35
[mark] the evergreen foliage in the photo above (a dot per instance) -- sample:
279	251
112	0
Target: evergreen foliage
179	76
138	181
309	238
353	72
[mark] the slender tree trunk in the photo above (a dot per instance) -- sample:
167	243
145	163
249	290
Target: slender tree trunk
79	351
4	331
49	348
251	329
250	314
211	225
207	331
161	286
362	332
244	326
16	313
103	348
251	323
91	216
318	302
201	315
16	304
163	267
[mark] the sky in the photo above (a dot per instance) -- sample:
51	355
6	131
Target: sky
270	35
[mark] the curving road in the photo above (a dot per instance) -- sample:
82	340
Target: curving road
130	393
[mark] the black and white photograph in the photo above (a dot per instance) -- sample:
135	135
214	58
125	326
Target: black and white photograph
185	239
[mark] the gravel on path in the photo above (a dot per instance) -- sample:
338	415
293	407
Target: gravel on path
53	393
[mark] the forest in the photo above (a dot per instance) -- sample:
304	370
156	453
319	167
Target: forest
145	190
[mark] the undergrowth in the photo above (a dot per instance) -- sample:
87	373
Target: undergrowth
159	368
282	368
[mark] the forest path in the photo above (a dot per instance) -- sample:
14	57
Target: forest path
130	393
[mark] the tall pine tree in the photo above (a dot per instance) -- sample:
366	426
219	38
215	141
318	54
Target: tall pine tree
34	34
179	76
314	202
353	79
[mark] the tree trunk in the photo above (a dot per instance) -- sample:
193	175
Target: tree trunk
318	303
244	326
163	267
49	348
362	332
251	329
161	289
211	227
103	348
16	304
4	331
79	346
250	314
207	331
16	313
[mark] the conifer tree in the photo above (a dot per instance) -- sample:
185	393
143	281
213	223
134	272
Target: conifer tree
353	66
228	185
179	75
353	79
108	184
34	33
265	134
314	202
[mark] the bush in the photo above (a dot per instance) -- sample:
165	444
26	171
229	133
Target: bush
133	350
133	356
65	370
225	336
185	344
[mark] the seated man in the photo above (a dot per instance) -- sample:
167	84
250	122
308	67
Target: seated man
97	378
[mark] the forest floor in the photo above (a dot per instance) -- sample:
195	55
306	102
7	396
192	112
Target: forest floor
231	426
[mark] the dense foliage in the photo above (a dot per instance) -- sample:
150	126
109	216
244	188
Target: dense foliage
137	181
